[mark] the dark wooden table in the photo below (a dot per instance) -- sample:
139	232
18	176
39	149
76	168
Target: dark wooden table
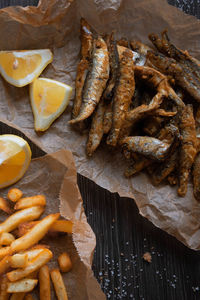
123	236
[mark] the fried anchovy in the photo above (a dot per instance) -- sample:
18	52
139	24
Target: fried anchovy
138	113
136	166
114	64
97	129
187	149
161	171
196	177
95	82
142	51
152	125
123	42
107	120
83	66
172	178
150	147
189	78
123	94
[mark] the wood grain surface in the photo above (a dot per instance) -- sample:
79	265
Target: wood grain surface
123	236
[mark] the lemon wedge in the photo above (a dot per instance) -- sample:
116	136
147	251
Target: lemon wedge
20	68
49	99
15	157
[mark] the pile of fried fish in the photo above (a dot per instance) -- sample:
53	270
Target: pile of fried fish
143	101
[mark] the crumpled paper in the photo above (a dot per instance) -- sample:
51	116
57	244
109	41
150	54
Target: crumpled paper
54	175
55	24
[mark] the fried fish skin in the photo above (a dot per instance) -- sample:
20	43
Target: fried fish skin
190	66
187	148
83	66
150	147
114	64
97	128
196	177
95	82
123	94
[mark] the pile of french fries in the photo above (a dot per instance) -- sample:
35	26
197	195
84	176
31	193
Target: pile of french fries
23	262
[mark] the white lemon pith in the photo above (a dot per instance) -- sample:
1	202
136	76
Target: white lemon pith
20	68
49	99
15	157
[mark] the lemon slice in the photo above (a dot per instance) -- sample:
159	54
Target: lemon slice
20	68
15	157
49	98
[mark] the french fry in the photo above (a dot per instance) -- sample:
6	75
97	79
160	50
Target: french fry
29	297
17	296
4	264
38	200
58	284
27	214
64	262
5	206
44	281
19	260
5	251
3	290
64	226
6	238
32	253
21	286
35	234
35	264
14	194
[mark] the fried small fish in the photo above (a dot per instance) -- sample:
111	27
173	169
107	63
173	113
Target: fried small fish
196	177
95	82
83	66
161	171
137	165
139	113
152	125
114	64
142	51
149	147
107	120
172	179
123	94
190	66
97	129
187	148
123	42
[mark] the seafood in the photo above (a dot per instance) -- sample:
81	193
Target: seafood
83	66
137	165
107	121
150	147
189	77
142	51
95	82
123	94
196	177
161	171
97	129
187	149
114	63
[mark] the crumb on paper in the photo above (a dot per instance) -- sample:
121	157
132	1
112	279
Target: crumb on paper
147	257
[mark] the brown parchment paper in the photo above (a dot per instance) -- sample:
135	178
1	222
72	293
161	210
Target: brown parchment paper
54	176
55	24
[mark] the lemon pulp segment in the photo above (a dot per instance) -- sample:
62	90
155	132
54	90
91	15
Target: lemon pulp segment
19	67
